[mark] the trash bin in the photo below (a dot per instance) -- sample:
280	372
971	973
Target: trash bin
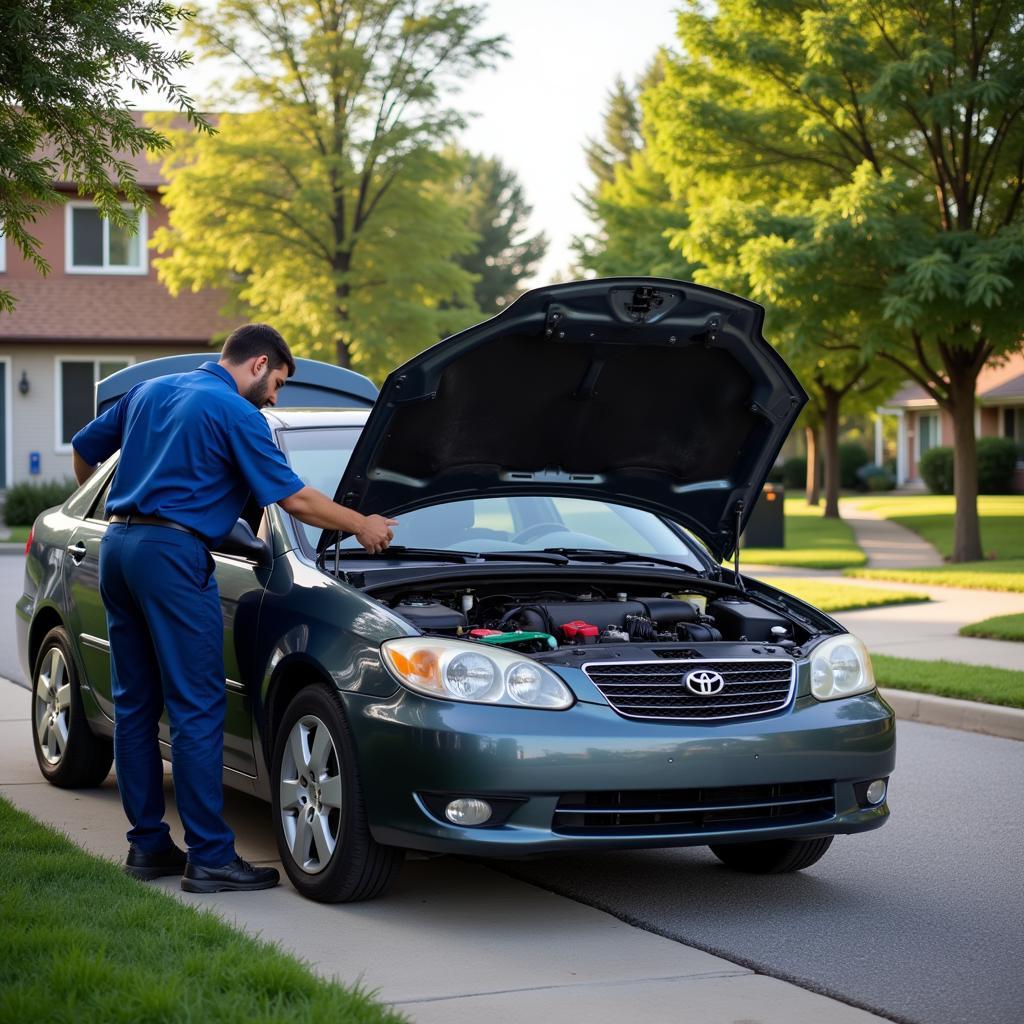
766	527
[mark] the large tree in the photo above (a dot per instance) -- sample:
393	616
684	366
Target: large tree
63	110
504	253
331	207
884	142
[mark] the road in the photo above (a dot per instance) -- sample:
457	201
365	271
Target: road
920	921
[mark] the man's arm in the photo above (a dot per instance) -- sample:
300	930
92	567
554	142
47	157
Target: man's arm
82	468
314	507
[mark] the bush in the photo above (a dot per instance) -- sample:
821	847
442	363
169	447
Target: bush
936	468
25	501
873	477
997	459
776	475
852	457
794	473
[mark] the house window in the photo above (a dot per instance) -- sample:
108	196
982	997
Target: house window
95	246
928	432
76	380
3	251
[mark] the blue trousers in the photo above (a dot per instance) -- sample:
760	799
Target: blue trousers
166	647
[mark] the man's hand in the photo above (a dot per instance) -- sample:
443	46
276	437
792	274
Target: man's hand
376	533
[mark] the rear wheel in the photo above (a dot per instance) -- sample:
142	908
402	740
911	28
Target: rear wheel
774	857
319	814
70	755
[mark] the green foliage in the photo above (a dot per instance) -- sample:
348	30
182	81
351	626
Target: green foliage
936	469
838	597
951	679
812	541
63	113
997	460
497	215
852	457
876	478
331	209
24	502
999	627
794	473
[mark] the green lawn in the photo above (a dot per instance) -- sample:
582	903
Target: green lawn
1005	574
80	941
951	679
812	542
999	627
832	598
18	534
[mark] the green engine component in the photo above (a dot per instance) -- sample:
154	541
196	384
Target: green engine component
518	637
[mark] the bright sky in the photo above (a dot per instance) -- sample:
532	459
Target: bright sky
538	108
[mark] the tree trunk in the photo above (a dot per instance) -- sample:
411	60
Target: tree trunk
967	527
813	483
830	429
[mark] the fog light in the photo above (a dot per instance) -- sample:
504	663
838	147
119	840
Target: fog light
876	791
466	811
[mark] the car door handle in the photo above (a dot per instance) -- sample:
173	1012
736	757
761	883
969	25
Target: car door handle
77	552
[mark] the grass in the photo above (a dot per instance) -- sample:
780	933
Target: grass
951	679
18	534
931	517
82	942
999	627
830	597
1006	575
812	542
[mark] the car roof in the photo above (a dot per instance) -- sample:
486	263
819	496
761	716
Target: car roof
289	418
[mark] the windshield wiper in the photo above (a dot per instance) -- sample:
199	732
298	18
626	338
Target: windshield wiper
615	557
443	554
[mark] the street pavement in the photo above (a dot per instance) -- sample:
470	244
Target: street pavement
12	575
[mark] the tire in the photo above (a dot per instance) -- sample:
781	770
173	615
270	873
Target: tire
774	857
69	753
319	814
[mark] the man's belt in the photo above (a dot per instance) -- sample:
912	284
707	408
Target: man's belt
134	519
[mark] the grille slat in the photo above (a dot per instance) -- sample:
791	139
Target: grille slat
657	690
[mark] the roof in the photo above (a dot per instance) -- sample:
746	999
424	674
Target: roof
1012	388
112	308
909	395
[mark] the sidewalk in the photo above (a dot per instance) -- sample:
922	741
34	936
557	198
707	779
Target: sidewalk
454	941
887	544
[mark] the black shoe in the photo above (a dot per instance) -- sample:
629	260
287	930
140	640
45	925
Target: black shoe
237	874
148	866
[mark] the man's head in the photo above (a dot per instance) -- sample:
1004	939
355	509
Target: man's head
260	361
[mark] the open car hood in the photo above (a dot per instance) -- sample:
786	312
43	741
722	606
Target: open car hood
653	393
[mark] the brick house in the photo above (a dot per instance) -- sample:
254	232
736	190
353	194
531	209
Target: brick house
100	308
921	424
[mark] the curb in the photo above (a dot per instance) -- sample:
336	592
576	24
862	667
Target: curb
967	715
7	548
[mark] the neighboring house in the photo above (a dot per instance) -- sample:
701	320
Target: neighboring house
100	308
999	412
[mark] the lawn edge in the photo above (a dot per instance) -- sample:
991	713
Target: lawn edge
965	715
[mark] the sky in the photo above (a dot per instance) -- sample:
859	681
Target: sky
539	107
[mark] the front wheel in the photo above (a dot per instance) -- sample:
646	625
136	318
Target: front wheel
319	814
70	755
774	857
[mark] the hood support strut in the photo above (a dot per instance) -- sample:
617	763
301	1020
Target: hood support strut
736	550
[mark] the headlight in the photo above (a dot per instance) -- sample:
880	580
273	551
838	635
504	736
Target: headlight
459	670
841	667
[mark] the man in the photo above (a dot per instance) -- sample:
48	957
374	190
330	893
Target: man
193	447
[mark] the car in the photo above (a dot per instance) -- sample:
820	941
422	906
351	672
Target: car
555	654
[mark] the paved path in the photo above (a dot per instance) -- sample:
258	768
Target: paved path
455	942
887	544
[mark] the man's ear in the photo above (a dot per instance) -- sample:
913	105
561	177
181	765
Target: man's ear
259	365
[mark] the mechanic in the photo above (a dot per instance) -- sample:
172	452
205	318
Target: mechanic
193	447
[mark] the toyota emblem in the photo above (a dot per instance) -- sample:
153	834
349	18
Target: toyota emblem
703	682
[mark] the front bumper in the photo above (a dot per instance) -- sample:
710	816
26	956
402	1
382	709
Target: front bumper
410	745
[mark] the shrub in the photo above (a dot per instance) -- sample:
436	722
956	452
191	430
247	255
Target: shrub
936	468
852	457
873	477
794	473
997	459
25	501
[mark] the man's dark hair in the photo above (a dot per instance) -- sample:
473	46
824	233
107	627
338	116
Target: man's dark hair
250	341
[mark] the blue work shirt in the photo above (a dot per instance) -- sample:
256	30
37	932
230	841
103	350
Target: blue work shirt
192	450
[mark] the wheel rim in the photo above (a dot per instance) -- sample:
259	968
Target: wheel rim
53	706
311	797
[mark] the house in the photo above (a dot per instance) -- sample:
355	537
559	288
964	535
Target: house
100	308
921	424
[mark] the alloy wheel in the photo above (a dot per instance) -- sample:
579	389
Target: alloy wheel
311	794
53	706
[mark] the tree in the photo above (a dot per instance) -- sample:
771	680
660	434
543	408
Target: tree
629	201
62	111
330	209
498	212
885	144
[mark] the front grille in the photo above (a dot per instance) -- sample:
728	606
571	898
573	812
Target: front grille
693	811
657	689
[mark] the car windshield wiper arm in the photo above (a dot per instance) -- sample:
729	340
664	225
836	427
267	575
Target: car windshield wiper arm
443	554
600	555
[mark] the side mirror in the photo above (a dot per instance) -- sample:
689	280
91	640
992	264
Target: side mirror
243	542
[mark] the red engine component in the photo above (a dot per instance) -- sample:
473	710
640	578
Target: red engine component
580	630
484	632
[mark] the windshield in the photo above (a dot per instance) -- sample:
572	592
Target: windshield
522	523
